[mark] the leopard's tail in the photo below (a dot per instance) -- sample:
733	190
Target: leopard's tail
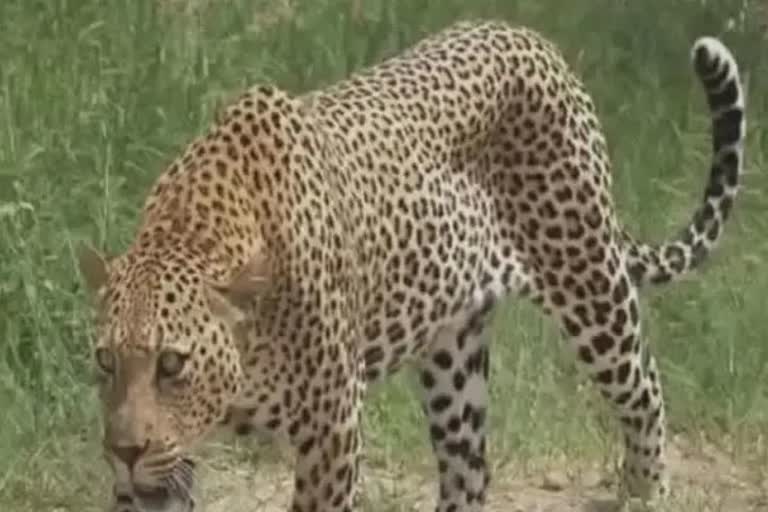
717	70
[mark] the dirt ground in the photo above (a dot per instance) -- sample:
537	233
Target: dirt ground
704	480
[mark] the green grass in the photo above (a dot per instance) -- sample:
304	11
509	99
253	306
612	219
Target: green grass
96	97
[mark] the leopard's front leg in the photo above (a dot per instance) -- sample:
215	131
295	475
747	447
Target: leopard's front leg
328	443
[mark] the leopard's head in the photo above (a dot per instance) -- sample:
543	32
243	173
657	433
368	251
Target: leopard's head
168	360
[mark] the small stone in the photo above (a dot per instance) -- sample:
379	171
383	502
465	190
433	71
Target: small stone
592	478
555	481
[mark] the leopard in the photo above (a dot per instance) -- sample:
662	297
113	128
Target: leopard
309	245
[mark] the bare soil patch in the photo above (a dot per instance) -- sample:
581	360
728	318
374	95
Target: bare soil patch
704	480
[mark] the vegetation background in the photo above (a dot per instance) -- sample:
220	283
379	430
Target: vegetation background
96	97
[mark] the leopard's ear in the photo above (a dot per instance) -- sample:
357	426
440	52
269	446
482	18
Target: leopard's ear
232	301
94	268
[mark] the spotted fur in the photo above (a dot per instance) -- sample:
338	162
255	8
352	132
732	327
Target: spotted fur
307	246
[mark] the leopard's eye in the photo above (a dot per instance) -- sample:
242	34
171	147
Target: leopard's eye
170	363
105	358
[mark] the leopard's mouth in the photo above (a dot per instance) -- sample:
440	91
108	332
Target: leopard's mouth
147	498
175	491
153	497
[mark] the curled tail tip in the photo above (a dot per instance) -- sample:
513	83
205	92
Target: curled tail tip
713	62
711	44
718	72
708	53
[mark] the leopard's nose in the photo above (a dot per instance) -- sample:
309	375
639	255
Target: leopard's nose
129	454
